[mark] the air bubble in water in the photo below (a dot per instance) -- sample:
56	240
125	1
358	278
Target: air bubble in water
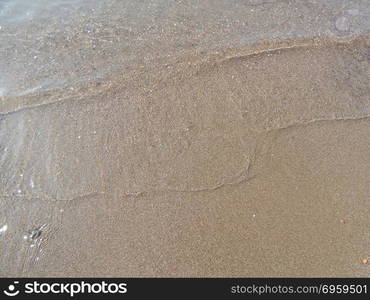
342	23
3	229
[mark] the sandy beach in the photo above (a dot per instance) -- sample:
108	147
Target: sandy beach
185	138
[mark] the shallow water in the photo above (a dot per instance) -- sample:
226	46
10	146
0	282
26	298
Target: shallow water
172	138
51	44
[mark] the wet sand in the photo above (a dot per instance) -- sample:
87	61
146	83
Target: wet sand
240	156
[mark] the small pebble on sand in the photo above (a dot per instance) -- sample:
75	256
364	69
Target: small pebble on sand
365	261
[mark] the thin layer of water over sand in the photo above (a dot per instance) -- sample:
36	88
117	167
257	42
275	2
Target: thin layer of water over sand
251	159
